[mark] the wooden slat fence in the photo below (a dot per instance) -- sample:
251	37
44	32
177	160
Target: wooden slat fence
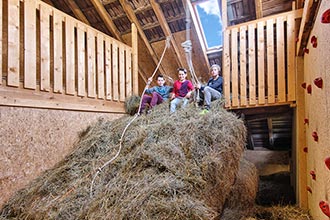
54	57
259	61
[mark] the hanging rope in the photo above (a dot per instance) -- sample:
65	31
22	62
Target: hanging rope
187	46
99	170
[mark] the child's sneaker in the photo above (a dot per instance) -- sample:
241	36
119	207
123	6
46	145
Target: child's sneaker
204	111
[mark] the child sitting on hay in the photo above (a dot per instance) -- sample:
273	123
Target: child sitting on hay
182	90
159	93
212	90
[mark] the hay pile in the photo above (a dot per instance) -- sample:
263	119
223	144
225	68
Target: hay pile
179	166
280	213
241	200
132	104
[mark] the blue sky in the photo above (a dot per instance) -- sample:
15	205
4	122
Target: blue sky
211	22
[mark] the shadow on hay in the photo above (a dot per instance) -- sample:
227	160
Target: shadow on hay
179	166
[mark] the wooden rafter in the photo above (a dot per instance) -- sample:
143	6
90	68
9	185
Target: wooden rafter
164	25
106	18
309	13
76	11
49	2
131	15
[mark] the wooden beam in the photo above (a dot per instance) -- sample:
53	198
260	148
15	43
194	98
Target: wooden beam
295	14
131	15
49	2
76	11
306	25
1	40
135	65
270	131
29	98
299	3
258	6
106	18
224	14
299	140
164	25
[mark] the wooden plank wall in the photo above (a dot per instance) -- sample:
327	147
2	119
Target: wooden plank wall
61	56
259	66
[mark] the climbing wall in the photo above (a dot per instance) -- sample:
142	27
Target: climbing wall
317	114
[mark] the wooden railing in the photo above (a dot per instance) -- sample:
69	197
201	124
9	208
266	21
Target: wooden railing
51	60
259	61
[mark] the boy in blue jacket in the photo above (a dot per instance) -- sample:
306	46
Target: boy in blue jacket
157	94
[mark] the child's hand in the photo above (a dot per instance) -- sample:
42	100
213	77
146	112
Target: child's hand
149	81
188	95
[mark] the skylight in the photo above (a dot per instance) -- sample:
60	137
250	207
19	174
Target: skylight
209	16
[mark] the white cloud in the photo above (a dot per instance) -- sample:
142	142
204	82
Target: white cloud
211	7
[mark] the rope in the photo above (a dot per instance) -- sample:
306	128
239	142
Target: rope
99	170
187	46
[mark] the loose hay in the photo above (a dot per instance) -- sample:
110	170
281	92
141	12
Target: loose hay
132	104
240	202
281	213
179	166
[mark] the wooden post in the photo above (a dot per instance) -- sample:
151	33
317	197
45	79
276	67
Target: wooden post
30	48
234	67
226	68
121	63
45	12
58	56
70	62
135	66
226	55
261	62
1	6
100	66
224	15
280	59
91	70
300	138
108	69
81	60
291	35
13	43
243	83
270	61
252	65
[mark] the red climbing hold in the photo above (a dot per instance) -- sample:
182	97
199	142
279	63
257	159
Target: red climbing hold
312	173
309	189
327	162
309	89
324	206
326	17
314	41
318	82
306	121
305	149
306	50
315	136
303	85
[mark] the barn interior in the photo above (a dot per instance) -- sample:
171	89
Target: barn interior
65	63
